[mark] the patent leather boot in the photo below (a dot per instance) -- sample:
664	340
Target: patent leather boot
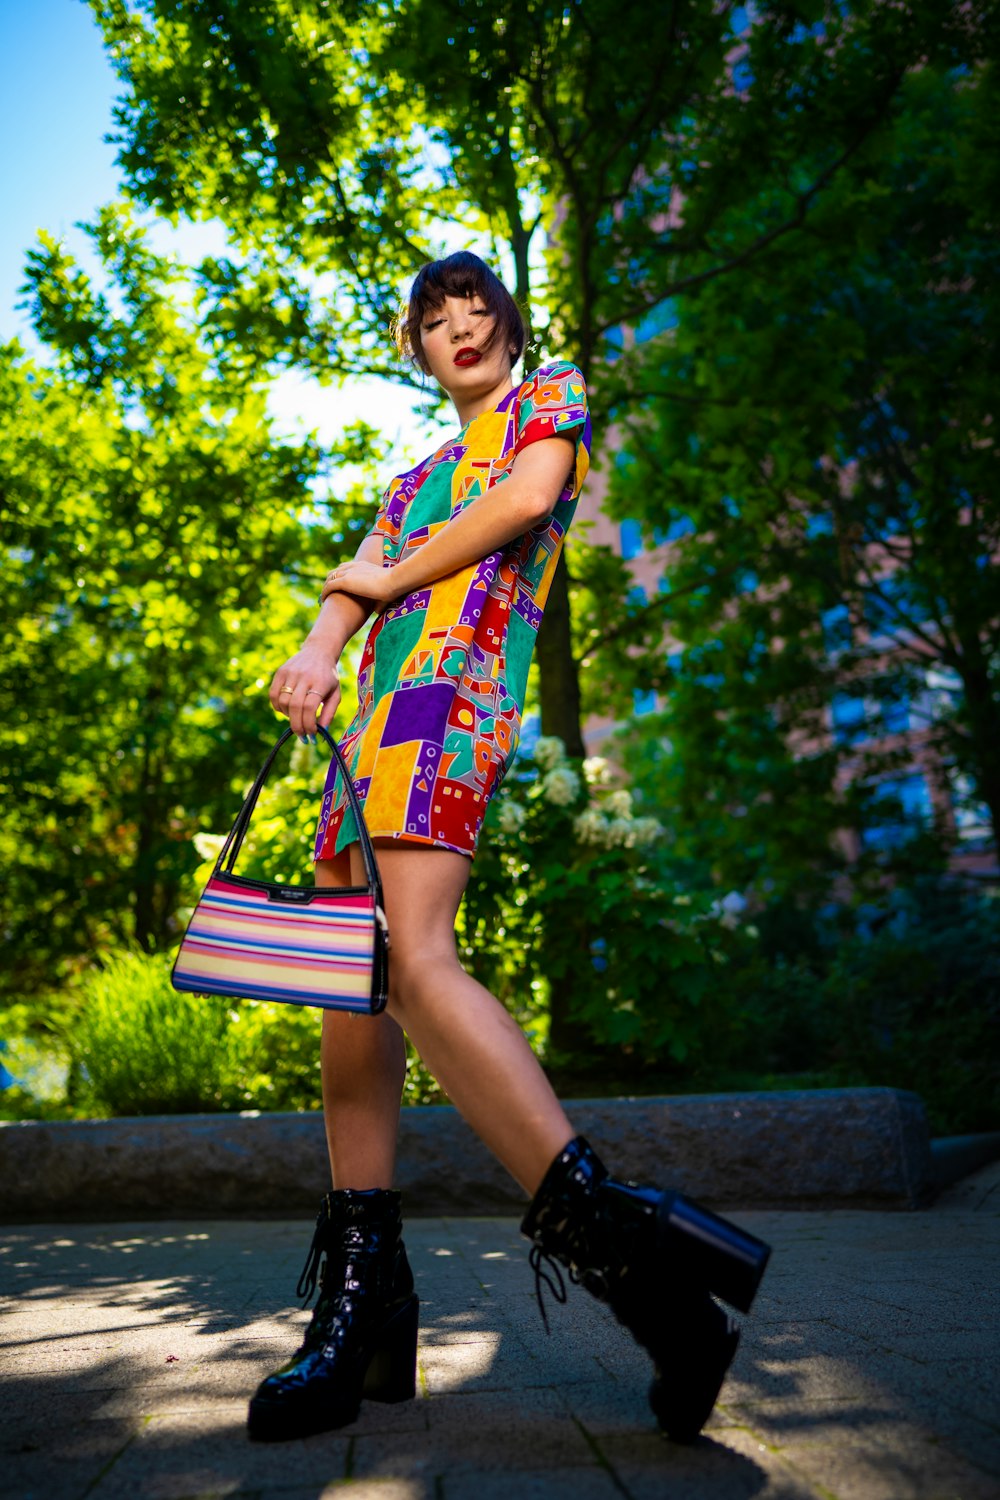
656	1258
362	1340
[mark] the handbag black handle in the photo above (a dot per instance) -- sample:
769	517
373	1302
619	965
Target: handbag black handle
231	848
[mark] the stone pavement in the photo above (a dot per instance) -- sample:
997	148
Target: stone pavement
867	1372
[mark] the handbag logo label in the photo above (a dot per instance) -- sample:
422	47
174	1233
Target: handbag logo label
290	893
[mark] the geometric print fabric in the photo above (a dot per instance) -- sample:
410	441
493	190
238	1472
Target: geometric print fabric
444	670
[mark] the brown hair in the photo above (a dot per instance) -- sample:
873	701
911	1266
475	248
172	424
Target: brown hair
460	275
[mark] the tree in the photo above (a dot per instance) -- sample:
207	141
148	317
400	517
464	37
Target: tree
157	558
336	142
833	470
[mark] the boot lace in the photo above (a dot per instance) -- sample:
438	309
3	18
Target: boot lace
551	1276
310	1271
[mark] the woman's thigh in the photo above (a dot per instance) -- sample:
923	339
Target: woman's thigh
422	889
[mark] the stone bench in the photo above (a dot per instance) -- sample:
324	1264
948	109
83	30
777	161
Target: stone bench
852	1147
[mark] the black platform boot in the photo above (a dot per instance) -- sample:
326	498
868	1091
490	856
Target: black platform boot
656	1258
362	1340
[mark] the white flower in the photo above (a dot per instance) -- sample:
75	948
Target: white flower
561	786
209	844
596	771
621	831
549	751
619	804
591	827
647	830
729	909
512	816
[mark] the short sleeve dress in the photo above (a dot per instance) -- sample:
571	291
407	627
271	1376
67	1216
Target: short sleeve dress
444	669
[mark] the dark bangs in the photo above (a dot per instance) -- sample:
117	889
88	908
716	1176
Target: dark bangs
460	275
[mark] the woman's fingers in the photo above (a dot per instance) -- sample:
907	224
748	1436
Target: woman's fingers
306	705
306	690
329	707
280	692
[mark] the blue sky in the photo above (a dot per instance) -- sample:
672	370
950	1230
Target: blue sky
57	93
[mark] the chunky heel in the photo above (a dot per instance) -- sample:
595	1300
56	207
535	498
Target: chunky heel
392	1370
362	1341
658	1259
714	1253
687	1385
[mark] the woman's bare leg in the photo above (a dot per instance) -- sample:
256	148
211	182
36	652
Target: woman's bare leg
363	1061
475	1050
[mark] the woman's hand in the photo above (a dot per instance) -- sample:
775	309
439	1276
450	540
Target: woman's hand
365	580
307	689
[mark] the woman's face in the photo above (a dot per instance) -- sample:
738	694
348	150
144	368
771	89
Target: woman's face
452	337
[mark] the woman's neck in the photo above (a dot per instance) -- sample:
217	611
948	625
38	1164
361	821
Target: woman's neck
472	405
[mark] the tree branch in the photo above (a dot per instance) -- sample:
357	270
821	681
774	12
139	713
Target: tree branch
798	218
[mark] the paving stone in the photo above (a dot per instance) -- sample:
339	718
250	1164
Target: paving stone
731	1463
43	1463
554	1484
869	1371
179	1456
351	1489
913	1469
505	1431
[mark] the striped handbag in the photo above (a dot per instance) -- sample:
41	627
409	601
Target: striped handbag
305	945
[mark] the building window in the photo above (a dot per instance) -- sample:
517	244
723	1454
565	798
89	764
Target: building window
657	320
819	525
895	715
678	527
849	717
890	611
973	824
630	534
614	339
836	623
908	807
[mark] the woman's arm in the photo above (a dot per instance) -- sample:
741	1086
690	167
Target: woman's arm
489	522
311	673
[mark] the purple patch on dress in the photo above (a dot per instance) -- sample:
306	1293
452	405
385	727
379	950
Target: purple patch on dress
420	715
418	806
528	610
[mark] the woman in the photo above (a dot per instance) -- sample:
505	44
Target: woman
457	567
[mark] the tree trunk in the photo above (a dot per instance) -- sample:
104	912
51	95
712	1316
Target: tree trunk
559	680
983	714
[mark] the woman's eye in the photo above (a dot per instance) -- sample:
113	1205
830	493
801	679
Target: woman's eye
434	324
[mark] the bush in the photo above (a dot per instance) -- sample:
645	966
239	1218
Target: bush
576	920
140	1048
909	999
135	1046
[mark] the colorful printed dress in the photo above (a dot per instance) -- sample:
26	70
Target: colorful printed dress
444	669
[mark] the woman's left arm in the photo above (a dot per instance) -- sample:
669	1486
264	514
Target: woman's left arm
537	479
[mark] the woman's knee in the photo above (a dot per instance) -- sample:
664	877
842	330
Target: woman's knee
417	971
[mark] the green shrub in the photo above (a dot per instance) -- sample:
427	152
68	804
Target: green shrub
575	919
138	1047
910	999
141	1048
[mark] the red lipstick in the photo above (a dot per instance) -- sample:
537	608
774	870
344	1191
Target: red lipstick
467	357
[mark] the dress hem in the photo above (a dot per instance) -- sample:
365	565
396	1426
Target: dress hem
401	838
